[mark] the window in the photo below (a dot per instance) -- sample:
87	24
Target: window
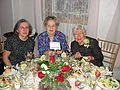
67	11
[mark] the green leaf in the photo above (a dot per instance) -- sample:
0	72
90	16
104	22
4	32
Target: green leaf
41	62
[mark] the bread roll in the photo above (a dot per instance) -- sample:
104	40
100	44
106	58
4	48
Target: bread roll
7	71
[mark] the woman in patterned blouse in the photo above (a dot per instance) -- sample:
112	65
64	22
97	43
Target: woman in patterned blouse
51	35
19	44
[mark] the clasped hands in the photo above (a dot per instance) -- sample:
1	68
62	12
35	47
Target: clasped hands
52	52
88	58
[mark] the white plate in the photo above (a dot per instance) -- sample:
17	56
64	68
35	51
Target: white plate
13	72
81	86
109	88
105	73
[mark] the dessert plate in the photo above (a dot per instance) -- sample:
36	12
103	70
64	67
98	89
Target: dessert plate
113	86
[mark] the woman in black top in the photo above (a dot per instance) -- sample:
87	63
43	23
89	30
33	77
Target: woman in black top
19	44
84	46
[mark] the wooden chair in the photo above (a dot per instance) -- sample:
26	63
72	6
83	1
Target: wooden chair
67	40
1	57
110	51
1	48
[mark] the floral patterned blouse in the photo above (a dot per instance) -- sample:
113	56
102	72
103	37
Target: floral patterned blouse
18	48
44	41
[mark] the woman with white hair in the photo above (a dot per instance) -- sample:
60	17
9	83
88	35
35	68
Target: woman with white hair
87	47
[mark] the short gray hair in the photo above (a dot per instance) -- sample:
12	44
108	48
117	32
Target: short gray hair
17	25
51	18
79	27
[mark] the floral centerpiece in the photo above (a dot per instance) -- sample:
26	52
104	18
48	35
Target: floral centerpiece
54	70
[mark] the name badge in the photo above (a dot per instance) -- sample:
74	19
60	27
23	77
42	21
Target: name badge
55	45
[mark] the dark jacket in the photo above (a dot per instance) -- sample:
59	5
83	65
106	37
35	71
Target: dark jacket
93	50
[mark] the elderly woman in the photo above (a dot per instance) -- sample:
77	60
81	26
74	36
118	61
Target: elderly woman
51	35
19	44
86	47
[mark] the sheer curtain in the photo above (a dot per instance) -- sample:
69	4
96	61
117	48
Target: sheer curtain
92	26
114	30
38	16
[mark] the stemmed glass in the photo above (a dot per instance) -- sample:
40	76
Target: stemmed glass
29	56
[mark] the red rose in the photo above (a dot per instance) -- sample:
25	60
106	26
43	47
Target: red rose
52	58
97	73
65	68
60	74
60	78
41	75
77	83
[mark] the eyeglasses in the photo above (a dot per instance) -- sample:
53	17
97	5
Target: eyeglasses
23	27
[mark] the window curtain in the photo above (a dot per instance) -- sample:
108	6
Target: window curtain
38	16
92	26
114	31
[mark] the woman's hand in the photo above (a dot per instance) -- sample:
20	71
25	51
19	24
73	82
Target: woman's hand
50	53
77	55
59	51
89	58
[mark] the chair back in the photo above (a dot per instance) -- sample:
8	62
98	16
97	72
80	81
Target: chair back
1	47
110	51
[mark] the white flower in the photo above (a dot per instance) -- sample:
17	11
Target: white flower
62	60
43	58
44	66
58	59
63	55
66	63
86	43
44	72
48	72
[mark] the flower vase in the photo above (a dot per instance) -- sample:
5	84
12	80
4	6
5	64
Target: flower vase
53	87
49	87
